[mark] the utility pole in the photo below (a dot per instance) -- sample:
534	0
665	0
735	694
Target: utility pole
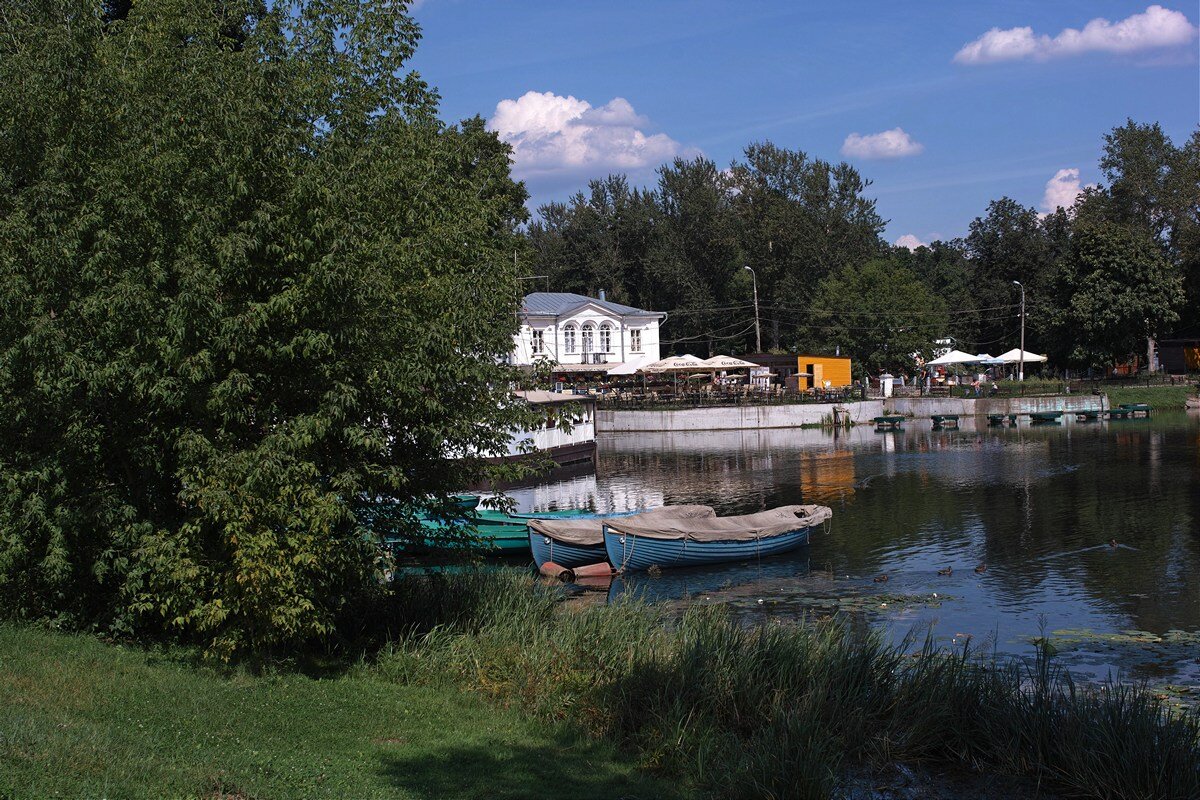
1021	357
757	326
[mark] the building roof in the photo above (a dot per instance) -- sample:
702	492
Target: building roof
542	397
557	304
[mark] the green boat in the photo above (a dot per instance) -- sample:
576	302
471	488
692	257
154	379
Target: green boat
498	531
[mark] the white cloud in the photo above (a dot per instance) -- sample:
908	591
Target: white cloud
1061	190
552	135
887	144
910	241
1154	28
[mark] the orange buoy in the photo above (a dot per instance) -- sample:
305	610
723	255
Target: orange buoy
594	570
556	571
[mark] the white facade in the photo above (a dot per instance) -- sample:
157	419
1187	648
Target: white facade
549	437
574	329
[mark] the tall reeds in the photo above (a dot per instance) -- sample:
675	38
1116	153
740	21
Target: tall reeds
778	710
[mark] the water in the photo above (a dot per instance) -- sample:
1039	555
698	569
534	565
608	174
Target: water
1037	505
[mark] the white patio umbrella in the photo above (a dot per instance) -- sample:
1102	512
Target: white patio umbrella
630	367
1014	356
684	363
727	362
953	357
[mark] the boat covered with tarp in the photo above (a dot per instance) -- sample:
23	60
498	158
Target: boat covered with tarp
635	544
578	542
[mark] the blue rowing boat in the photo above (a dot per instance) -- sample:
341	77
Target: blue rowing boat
636	545
577	542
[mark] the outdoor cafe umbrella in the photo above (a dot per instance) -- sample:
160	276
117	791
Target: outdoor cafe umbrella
1013	356
684	363
953	357
674	365
727	362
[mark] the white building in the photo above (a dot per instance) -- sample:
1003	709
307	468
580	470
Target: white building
594	333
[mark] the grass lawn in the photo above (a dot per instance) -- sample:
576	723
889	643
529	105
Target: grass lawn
80	718
1161	397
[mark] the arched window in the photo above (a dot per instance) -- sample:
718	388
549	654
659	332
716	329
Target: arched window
586	338
569	339
606	338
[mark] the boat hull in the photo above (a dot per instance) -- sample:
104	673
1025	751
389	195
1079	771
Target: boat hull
567	555
631	553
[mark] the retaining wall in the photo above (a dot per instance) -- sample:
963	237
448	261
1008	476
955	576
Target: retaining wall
727	418
928	406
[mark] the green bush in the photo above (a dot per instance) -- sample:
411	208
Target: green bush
248	281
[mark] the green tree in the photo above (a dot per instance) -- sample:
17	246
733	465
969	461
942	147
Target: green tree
598	240
695	256
798	220
879	314
247	293
1009	244
1153	186
945	269
1122	290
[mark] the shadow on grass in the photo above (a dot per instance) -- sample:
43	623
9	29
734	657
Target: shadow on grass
569	767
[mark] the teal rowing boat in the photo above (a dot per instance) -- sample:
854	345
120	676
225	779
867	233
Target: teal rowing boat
497	531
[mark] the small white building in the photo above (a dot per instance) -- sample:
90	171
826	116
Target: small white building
548	438
595	333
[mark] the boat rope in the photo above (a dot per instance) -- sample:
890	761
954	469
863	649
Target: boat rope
625	556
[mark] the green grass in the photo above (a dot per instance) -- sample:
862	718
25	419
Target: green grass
571	700
782	710
1161	397
80	718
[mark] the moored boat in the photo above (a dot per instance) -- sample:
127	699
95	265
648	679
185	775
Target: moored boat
577	542
635	545
496	530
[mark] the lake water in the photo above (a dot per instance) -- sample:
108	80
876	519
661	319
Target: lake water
1037	505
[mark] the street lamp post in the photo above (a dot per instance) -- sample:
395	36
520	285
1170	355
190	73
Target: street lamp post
1021	355
757	326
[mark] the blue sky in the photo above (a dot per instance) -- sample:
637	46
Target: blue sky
623	86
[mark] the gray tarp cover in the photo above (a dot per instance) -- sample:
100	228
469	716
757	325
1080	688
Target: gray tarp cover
724	529
591	531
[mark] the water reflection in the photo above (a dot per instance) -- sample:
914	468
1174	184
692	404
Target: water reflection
1036	506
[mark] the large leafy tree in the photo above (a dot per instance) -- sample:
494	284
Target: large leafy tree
598	240
1121	290
1154	187
799	219
250	286
1009	243
945	269
695	256
880	314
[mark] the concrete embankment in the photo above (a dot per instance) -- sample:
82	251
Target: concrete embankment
729	418
726	418
982	406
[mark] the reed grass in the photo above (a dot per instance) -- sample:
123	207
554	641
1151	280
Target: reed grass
779	710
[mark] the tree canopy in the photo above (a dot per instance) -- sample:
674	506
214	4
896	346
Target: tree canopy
248	291
806	226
